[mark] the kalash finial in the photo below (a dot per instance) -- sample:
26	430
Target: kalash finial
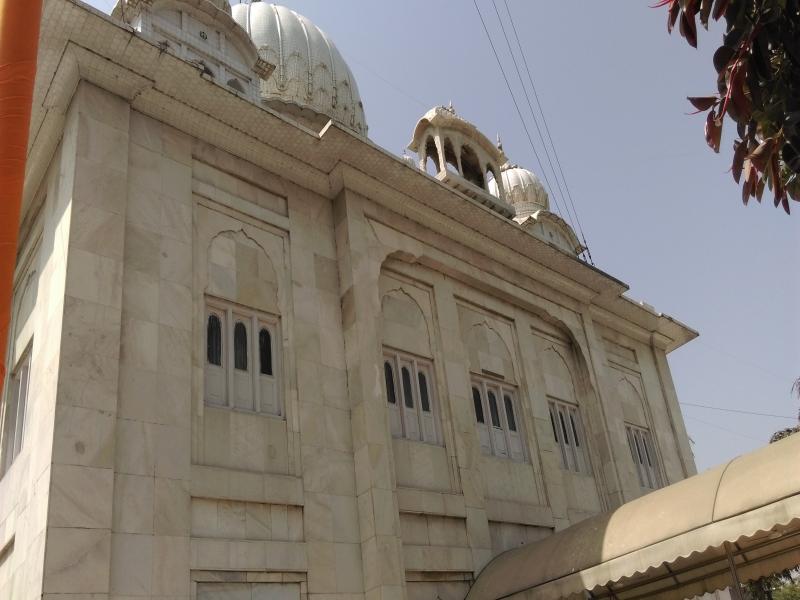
499	143
451	108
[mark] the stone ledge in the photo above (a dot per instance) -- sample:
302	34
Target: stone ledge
228	484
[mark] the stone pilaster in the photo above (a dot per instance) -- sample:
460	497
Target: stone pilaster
359	268
92	225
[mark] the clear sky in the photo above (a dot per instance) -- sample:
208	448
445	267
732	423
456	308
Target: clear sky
659	209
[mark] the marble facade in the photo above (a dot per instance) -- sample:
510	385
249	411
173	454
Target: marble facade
151	190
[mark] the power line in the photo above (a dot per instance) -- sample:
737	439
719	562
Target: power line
533	113
547	129
516	105
725	429
738	411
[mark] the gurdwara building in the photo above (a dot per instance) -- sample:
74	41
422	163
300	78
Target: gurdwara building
257	356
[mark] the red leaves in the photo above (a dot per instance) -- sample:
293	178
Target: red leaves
739	154
713	131
688	28
705	11
720	6
748	91
672	15
703	103
763	154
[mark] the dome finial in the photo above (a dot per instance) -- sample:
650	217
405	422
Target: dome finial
499	143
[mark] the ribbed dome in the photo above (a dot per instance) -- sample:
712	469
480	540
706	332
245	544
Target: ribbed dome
310	73
523	190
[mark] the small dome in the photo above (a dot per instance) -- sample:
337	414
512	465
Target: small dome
311	79
523	190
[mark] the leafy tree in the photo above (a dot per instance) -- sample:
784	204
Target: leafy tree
758	83
779	435
788	592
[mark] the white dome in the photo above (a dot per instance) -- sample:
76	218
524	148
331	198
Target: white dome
310	74
523	190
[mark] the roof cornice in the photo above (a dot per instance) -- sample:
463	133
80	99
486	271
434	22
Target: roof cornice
108	53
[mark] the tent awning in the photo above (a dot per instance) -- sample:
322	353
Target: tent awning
670	544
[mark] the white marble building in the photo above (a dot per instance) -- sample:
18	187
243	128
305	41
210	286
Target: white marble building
256	356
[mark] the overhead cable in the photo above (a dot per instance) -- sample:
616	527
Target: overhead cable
519	112
547	129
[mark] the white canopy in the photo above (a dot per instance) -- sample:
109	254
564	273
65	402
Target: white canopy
673	543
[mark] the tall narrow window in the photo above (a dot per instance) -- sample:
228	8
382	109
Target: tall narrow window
265	351
13	412
214	340
503	438
493	410
644	457
242	359
410	397
408	393
424	401
512	422
569	436
240	346
476	402
388	374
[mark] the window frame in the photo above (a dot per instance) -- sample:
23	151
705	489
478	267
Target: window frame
574	453
19	354
254	321
649	470
419	365
11	395
501	389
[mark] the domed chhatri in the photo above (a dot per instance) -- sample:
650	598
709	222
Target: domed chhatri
311	82
460	156
526	194
523	190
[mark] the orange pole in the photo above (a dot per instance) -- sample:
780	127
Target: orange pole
19	43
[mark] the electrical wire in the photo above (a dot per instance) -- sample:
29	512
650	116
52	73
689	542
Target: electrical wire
738	411
725	429
516	105
572	215
547	130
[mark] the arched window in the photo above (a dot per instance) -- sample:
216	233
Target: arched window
431	157
512	421
242	369
240	346
503	438
265	351
407	393
493	410
568	436
388	374
424	400
214	340
410	397
476	401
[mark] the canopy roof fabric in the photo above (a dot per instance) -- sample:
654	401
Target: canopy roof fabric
671	543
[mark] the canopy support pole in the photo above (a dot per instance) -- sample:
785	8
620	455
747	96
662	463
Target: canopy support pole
737	586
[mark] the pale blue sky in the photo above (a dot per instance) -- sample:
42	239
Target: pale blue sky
659	209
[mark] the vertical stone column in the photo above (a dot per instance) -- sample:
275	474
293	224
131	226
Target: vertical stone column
678	426
379	522
92	225
610	441
541	434
330	511
467	447
151	520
